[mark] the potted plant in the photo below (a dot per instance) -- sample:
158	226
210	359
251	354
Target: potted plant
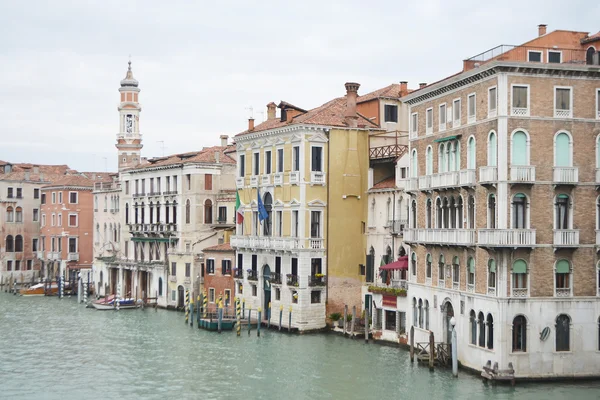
349	318
335	317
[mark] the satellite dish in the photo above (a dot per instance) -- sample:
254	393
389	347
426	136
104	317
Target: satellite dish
544	333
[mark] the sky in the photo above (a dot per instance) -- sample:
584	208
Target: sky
202	65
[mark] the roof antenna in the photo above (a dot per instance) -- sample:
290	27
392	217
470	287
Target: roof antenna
251	112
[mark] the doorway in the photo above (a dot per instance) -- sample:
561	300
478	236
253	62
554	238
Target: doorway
180	296
448	312
114	280
266	290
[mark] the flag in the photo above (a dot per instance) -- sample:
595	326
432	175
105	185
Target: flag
262	211
238	205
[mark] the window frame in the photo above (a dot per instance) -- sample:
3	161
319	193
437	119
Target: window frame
385	113
492	112
540	52
242	165
524	324
268	164
570	109
456	102
322	166
428	126
559	52
471	118
296	158
210	262
280	157
76	197
527	111
255	163
414	124
76	220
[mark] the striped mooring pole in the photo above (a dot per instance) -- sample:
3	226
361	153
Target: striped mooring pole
187	306
191	311
280	315
238	312
85	291
118	301
205	305
268	311
62	287
258	324
249	319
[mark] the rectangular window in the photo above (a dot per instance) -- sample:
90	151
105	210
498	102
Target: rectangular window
222	219
207	182
36	193
471	109
59	221
19	193
53	197
168	184
255	223
279	160
315	296
267	162
492	101
43	220
414	121
456	112
316	159
520	100
173	268
17	265
391	113
173	295
429	121
53	220
9	265
175	183
279	222
9	193
562	102
36	215
72	198
227	297
211	295
158	185
256	164
210	266
34	244
442	117
188	270
29	265
254	291
188	181
43	199
126	187
72	245
226	267
295	223
242	162
534	56
296	158
277	294
554	56
315	224
73	220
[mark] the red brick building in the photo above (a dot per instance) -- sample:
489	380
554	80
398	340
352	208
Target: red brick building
219	263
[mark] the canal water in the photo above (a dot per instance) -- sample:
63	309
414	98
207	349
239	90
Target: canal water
57	349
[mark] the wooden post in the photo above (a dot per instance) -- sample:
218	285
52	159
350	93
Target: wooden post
249	319
290	322
345	317
412	343
238	310
268	315
352	323
431	350
258	324
366	324
280	315
220	315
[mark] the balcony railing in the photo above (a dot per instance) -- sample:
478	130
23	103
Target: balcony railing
506	237
519	292
389	151
460	237
292	280
566	237
268	242
563	292
398	226
424	182
398	284
563	113
566	175
315	243
294	177
172	278
513	53
491	291
275	278
522	173
444	179
170	192
467	177
317	280
488	174
252	275
73	257
239	182
238	273
317	178
254	181
278	179
265	180
412	185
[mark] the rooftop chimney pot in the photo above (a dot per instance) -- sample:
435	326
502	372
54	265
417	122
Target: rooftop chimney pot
403	88
542	29
250	124
224	140
351	94
271	111
422	85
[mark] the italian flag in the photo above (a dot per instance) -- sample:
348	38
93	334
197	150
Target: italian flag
239	214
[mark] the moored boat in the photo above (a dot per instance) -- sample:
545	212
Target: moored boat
108	303
42	289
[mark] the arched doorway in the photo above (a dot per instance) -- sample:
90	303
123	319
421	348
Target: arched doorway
266	290
180	296
448	313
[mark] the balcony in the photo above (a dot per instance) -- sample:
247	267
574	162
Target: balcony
265	180
239	182
73	257
317	280
562	292
458	237
238	273
294	178
252	275
317	178
170	192
401	183
519	111
397	226
388	151
412	185
519	292
506	237
521	54
565	175
275	278
315	243
39	254
566	237
278	179
467	177
154	194
292	280
488	175
522	174
444	179
424	182
254	181
398	284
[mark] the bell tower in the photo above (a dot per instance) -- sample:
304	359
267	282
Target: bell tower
129	139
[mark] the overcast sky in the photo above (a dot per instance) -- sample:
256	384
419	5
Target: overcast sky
201	64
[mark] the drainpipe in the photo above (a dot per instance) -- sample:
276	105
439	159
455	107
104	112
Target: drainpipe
326	131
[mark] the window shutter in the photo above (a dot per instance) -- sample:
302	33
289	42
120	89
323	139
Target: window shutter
562	267
223	267
492	264
519	267
471	265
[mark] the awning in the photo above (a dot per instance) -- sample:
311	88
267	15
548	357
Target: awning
153	239
401	263
447	138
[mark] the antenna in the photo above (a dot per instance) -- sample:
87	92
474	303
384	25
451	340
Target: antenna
162	145
251	111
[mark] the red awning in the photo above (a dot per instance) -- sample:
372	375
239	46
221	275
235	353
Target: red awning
401	263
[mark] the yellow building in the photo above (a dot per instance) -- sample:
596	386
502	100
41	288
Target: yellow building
310	169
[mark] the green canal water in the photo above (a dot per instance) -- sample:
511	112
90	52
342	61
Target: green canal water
57	349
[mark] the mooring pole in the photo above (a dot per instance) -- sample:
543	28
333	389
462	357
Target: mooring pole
280	315
79	290
352	322
238	311
258	324
243	306
345	318
290	322
412	343
366	324
220	316
199	302
268	315
249	319
187	306
454	348
431	350
204	305
192	312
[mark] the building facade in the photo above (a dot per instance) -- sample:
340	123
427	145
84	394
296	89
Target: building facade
503	177
217	282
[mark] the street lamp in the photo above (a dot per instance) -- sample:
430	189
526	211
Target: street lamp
454	349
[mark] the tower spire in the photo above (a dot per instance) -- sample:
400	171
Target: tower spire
129	139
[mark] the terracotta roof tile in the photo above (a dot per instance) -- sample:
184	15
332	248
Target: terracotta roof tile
391	91
206	155
389	183
219	247
72	180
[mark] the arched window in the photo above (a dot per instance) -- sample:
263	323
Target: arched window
459	213
442	158
10	244
473	323
413	214
455	272
413	263
452	210
446	213
471	212
492	211
492	156
563	333
167	209
160	286
439	213
471	274
135	208
115	239
268	223
519	278
441	272
589	55
174	215
490	331
414	168
562	150
18	243
19	214
420	313
143	213
563	278
415	315
428	214
429	161
519	149
101	279
519	334
562	212
452	157
426	314
471	151
481	322
10	214
188	211
520	207
491	276
429	260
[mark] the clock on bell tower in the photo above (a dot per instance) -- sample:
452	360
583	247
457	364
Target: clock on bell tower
129	139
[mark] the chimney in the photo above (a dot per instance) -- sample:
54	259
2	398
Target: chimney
403	88
41	176
351	93
27	175
250	124
36	169
541	29
217	156
271	111
224	140
422	85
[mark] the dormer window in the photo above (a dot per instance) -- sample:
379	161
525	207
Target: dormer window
283	115
391	113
